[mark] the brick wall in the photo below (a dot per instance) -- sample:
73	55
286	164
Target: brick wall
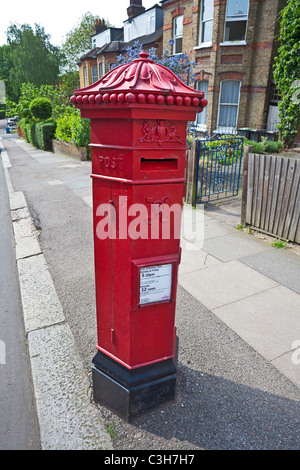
249	62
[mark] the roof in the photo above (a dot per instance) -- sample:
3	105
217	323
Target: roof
91	54
121	46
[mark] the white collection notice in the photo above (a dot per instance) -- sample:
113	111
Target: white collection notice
155	283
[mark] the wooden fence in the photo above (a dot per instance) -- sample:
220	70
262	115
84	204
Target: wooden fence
271	195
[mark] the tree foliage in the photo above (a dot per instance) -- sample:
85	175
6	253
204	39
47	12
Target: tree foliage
29	92
287	71
78	40
29	57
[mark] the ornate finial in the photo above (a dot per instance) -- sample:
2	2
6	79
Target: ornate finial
144	55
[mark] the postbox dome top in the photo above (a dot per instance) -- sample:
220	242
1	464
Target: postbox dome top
141	81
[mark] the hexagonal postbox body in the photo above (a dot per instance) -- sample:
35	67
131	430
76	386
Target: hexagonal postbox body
139	114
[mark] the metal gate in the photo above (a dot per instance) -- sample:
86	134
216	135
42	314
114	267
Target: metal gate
218	168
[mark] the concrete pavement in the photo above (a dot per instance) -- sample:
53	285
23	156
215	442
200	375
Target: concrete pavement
248	286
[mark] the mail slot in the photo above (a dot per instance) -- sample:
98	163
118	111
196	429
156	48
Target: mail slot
139	114
162	164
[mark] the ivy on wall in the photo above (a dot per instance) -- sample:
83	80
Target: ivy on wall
287	71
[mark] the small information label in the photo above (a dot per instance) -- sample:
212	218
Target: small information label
155	283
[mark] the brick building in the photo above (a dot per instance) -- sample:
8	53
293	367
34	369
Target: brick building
233	43
145	26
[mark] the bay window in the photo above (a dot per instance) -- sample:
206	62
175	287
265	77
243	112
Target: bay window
94	73
236	20
229	98
85	76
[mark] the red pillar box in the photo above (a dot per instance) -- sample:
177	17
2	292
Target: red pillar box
139	114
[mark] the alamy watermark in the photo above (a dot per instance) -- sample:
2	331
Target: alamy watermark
157	220
296	352
2	353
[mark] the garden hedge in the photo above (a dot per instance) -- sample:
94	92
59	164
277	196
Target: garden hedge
44	134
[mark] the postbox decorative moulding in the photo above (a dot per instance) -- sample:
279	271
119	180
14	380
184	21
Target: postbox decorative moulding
138	83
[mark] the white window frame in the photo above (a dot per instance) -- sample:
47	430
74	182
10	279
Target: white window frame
201	127
127	32
85	76
232	19
202	25
94	76
101	69
177	36
150	27
229	129
107	36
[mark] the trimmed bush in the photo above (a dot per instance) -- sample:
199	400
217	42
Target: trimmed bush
44	134
30	131
41	108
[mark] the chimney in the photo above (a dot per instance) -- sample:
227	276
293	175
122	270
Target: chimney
99	26
136	8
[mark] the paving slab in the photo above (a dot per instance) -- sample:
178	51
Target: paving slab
224	283
194	259
214	228
268	321
233	247
279	264
41	305
79	182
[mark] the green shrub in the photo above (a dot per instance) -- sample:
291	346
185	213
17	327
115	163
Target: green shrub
64	128
41	108
258	147
265	146
271	146
81	131
44	134
72	128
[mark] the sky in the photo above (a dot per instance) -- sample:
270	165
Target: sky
58	17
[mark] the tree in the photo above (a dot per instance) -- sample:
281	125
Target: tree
78	41
31	58
287	71
5	66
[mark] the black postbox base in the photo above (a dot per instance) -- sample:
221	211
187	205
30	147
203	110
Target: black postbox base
129	392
